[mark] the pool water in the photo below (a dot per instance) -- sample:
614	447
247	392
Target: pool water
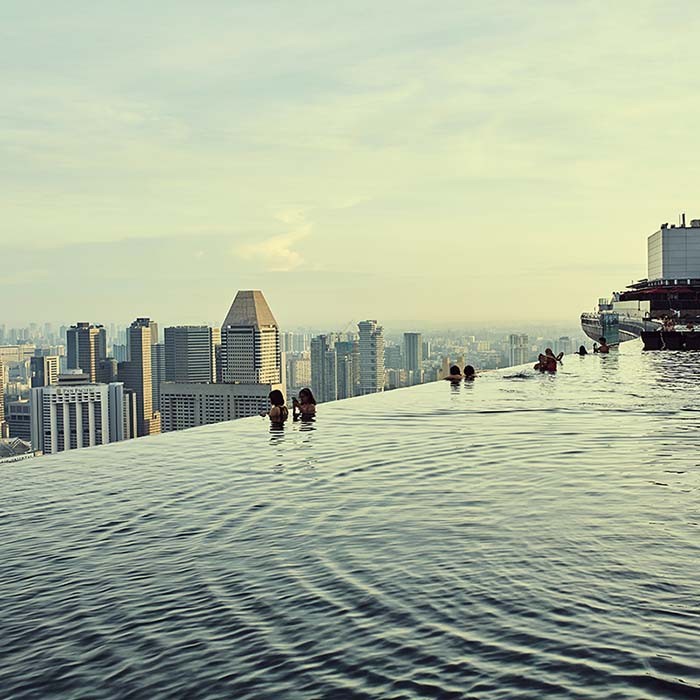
519	536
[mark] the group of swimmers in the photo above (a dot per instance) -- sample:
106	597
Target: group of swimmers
303	408
456	375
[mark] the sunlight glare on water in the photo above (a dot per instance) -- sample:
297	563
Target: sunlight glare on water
520	536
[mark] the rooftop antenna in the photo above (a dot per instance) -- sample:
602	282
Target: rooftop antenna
683	219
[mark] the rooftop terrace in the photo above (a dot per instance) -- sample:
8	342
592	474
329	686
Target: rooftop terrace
528	537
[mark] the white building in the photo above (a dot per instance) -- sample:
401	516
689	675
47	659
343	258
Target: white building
191	404
519	351
371	357
674	252
250	342
73	416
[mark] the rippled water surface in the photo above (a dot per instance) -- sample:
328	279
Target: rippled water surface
522	537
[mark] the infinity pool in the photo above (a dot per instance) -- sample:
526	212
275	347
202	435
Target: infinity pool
520	536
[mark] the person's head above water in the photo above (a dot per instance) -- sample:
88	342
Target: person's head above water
469	371
454	370
549	352
276	397
305	396
582	350
602	340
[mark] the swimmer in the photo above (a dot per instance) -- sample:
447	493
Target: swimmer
455	375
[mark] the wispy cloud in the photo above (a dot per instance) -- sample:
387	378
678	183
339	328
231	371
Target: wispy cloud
278	253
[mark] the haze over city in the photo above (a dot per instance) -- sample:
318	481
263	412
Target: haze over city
466	163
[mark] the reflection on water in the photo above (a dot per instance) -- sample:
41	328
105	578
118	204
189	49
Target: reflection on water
504	538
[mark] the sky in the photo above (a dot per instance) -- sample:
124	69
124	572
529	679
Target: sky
459	162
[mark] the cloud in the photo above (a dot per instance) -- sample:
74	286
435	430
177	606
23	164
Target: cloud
277	253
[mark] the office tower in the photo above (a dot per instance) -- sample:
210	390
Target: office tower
371	357
136	375
324	369
44	370
413	351
154	332
299	373
348	354
18	419
107	371
519	350
87	345
190	354
392	357
250	345
157	372
191	404
73	416
120	353
216	352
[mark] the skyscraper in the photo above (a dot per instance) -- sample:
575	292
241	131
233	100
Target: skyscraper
157	372
324	369
348	354
371	357
190	354
137	375
250	342
519	350
44	370
413	351
87	345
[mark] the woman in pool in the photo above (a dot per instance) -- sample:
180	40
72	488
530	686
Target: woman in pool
455	375
469	372
305	407
278	412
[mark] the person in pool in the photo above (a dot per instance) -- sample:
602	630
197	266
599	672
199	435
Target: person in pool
454	376
305	407
469	372
603	348
552	360
278	412
582	351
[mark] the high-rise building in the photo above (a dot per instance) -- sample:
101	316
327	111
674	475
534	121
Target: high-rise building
299	372
348	354
73	416
393	357
371	357
190	354
137	375
519	350
157	372
18	419
324	369
413	351
107	370
250	343
191	404
87	345
44	370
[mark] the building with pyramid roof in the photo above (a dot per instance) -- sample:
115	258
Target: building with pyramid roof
250	342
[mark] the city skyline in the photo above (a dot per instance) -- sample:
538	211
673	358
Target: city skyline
508	158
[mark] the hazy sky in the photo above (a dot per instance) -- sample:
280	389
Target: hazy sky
457	161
